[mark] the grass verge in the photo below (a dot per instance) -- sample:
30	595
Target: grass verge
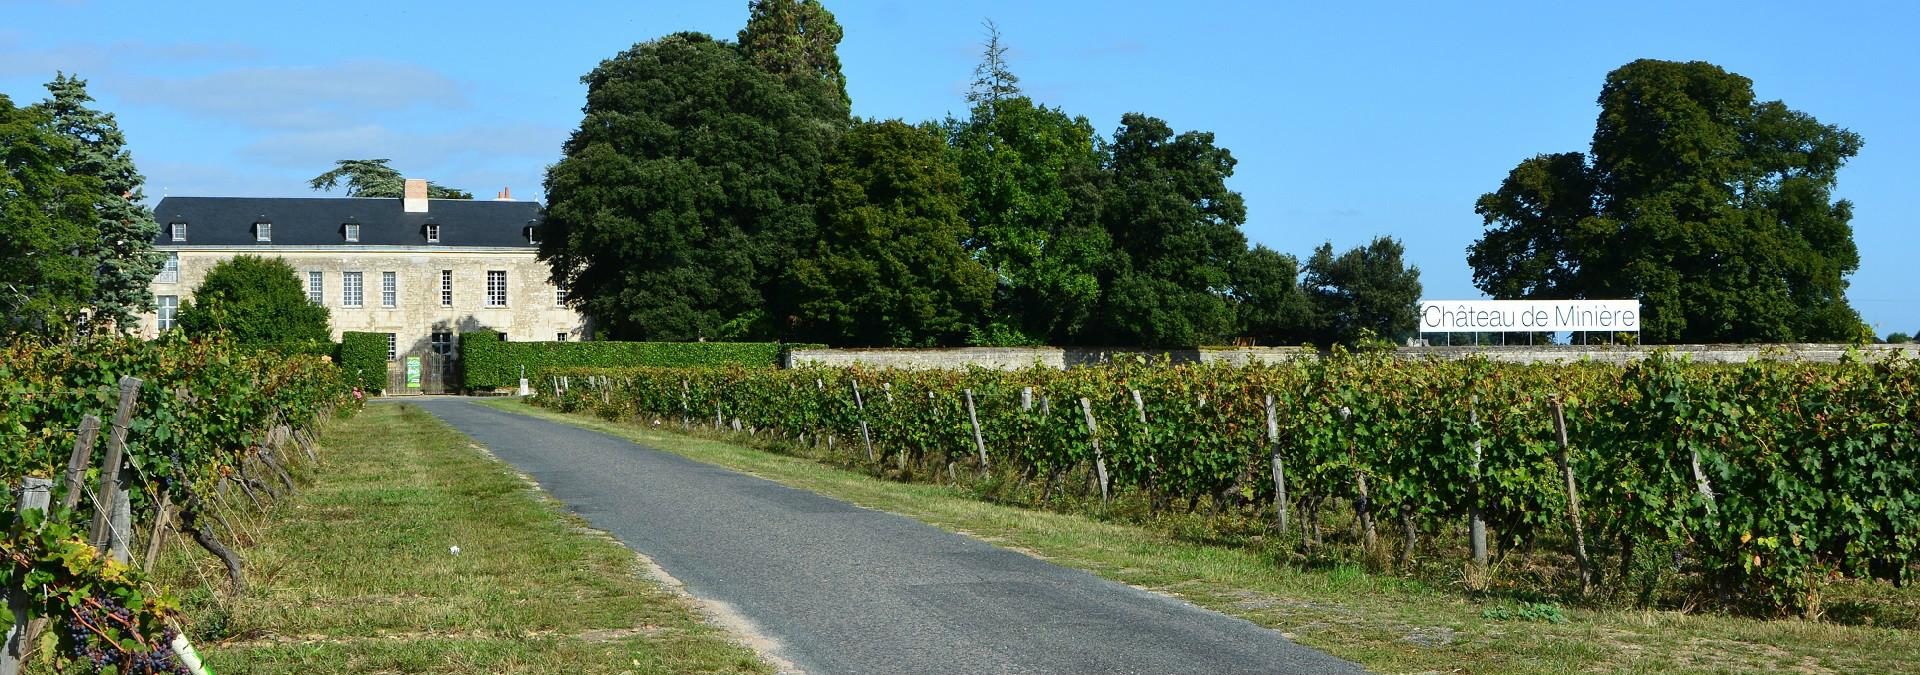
1387	623
355	574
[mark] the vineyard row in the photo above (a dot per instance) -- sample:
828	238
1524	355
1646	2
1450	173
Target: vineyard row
113	437
1761	480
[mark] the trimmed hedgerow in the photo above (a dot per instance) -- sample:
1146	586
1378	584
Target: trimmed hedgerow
490	363
363	357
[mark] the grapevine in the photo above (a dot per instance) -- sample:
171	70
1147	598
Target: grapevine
1814	469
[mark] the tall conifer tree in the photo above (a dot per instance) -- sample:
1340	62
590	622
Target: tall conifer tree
121	252
799	40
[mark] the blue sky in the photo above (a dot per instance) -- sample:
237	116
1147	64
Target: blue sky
1349	120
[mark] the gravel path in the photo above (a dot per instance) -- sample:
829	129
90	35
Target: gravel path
842	589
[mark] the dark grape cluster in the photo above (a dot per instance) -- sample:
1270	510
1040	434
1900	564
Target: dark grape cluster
86	646
167	479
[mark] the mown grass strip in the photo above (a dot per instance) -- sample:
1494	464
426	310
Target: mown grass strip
355	574
1386	623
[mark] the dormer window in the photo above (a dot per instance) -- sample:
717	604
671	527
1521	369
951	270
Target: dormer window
433	233
179	231
263	232
351	230
533	236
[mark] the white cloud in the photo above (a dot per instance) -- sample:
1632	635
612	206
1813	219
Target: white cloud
91	58
301	96
410	151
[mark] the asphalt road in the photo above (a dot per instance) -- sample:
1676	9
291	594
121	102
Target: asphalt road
843	589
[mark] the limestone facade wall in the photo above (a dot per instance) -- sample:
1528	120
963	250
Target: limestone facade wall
532	312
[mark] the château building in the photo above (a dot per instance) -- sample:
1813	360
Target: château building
419	270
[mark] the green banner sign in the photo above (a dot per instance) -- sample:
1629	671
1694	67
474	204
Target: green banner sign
413	372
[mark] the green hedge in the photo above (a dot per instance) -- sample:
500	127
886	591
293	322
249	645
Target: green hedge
363	357
489	363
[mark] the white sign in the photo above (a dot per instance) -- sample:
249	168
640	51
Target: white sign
1529	316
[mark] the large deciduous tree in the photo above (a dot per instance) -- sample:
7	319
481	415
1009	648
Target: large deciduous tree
373	178
1032	182
122	256
1712	208
48	228
1269	304
1175	229
1366	291
255	300
685	192
888	268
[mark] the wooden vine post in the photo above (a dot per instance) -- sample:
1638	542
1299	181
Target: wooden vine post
34	496
76	480
1279	465
107	534
1573	496
686	411
1099	458
1477	520
860	406
159	533
74	485
978	443
1363	506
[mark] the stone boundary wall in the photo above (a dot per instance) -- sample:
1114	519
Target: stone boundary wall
1013	358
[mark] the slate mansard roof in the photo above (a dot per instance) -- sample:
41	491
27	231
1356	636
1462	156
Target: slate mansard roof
319	221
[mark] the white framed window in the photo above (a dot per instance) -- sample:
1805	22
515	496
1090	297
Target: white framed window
350	295
169	270
560	337
433	233
393	346
263	232
496	288
179	231
533	236
351	230
316	287
389	289
166	306
446	288
560	294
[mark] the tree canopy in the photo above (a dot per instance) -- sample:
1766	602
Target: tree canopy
373	178
1031	179
1175	228
121	253
1369	291
1270	305
685	192
722	190
888	267
798	40
48	228
1712	208
254	300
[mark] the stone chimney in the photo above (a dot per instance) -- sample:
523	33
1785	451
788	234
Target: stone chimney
506	195
416	196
